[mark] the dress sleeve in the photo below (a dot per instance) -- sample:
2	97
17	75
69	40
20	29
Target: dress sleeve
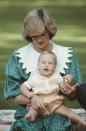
14	77
74	69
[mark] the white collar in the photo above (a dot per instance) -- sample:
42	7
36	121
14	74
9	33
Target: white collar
28	56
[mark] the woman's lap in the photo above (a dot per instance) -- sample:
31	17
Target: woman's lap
24	125
50	123
57	123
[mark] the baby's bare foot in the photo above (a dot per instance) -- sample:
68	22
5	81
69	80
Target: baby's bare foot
83	123
31	115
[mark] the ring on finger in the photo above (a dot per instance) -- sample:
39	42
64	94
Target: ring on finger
64	89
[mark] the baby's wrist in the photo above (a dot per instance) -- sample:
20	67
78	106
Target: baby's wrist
30	95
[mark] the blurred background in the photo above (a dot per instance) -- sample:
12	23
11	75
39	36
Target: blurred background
70	16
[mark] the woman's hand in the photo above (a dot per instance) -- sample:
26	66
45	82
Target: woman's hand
67	89
38	104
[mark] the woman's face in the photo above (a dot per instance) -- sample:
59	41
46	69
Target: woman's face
41	42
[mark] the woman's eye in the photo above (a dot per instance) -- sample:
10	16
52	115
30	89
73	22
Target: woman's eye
43	34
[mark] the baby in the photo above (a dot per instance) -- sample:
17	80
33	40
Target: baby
46	84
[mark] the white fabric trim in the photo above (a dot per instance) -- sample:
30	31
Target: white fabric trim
42	84
29	57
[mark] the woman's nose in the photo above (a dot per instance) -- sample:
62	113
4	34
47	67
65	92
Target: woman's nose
39	39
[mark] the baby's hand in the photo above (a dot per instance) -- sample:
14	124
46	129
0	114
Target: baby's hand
31	94
37	93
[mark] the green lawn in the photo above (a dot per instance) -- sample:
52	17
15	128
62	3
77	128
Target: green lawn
70	16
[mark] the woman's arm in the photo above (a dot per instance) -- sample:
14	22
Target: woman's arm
29	98
74	70
15	76
21	100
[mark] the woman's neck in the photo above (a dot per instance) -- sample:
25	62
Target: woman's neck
49	47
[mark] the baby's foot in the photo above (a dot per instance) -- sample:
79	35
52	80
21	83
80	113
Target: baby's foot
31	115
83	123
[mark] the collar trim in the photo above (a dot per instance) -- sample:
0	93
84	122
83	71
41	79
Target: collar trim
29	62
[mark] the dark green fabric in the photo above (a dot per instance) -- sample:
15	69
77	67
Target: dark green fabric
15	76
54	122
74	69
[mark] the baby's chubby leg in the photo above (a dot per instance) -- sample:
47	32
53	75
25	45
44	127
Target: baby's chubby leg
65	111
32	114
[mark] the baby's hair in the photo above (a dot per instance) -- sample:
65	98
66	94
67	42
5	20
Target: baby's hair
50	53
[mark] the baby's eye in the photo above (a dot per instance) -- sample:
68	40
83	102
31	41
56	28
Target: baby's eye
50	63
43	62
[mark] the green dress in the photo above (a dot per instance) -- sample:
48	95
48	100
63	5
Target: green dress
15	76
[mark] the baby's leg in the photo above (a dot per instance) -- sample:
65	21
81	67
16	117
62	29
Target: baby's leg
65	111
32	114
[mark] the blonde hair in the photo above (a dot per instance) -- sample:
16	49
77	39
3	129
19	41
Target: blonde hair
42	16
50	53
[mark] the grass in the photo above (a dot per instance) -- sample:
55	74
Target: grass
70	17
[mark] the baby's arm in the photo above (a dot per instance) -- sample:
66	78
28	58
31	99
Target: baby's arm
26	92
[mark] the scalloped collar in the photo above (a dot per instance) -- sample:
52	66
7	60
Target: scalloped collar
28	56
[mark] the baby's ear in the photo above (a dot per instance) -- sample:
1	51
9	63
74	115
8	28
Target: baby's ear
38	68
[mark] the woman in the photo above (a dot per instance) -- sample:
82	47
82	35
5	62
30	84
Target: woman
39	28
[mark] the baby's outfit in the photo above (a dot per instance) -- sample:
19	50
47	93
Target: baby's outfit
48	89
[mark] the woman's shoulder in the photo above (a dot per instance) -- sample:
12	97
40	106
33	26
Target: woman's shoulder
24	48
64	57
20	50
63	50
58	46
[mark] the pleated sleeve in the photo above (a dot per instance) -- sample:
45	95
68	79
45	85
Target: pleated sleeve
74	69
15	76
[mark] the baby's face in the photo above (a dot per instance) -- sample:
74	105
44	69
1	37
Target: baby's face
47	65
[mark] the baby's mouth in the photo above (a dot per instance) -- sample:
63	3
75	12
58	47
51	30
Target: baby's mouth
46	69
